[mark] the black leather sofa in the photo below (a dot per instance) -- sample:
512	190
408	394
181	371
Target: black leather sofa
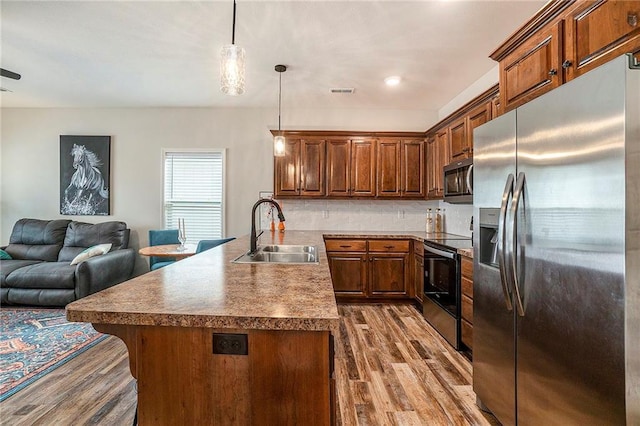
39	271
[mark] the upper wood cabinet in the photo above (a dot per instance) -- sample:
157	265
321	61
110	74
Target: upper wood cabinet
432	186
400	168
461	131
301	171
389	164
477	117
598	31
459	139
351	168
452	138
339	168
532	69
363	168
412	169
562	41
351	164
437	157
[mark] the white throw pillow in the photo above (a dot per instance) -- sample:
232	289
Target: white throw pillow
91	252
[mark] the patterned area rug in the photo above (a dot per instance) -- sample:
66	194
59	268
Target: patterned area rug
34	342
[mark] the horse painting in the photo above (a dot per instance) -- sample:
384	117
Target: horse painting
87	192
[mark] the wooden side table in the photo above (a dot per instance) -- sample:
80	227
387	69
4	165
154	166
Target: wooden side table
168	250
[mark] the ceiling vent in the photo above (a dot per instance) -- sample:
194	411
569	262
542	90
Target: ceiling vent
348	90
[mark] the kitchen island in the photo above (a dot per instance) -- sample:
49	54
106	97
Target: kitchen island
179	324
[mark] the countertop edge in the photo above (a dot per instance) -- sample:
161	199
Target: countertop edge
206	321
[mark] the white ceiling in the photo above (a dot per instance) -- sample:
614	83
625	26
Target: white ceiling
166	53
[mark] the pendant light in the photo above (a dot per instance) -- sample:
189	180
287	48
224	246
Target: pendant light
279	141
232	64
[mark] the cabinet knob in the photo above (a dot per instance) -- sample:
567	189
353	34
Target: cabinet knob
566	64
371	260
632	19
553	71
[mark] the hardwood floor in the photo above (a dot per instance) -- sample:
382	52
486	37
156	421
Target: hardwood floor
391	369
394	369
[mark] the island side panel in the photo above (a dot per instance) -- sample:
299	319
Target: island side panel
291	378
283	380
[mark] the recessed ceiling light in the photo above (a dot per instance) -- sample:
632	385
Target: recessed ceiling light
393	80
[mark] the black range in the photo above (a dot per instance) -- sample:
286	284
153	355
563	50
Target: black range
442	277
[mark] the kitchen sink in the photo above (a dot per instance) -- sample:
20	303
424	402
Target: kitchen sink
291	254
287	249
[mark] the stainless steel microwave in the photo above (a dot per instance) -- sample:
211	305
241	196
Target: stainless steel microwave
458	182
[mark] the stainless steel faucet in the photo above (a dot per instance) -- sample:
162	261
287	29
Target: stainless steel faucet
254	237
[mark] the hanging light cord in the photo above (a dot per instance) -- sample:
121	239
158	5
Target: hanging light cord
279	101
233	29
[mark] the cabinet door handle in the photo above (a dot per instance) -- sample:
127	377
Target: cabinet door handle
388	247
566	64
632	19
553	71
345	246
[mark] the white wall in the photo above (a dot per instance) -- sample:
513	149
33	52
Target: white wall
29	149
476	88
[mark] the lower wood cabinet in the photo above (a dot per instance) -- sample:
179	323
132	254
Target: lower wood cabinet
372	269
467	302
349	273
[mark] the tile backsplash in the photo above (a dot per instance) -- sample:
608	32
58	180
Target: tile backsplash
372	215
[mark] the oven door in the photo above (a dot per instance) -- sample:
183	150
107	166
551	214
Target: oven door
441	278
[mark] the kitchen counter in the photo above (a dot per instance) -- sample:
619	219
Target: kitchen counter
466	252
208	290
416	235
237	343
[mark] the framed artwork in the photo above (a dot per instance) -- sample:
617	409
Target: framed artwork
85	163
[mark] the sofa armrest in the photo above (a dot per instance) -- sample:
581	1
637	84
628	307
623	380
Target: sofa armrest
107	270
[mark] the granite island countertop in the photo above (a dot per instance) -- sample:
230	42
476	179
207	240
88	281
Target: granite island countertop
208	290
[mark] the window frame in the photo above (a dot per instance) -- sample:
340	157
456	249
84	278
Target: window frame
223	153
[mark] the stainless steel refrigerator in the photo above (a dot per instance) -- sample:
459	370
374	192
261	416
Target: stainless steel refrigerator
556	338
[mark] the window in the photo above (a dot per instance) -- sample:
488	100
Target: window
194	191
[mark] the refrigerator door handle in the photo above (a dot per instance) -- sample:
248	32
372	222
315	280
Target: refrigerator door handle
502	222
469	185
515	202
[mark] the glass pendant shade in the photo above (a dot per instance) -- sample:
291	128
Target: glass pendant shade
278	146
232	61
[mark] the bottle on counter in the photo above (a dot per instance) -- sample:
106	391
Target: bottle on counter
438	221
429	225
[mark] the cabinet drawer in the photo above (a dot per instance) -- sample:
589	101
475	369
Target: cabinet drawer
467	334
346	245
467	287
467	309
467	267
396	246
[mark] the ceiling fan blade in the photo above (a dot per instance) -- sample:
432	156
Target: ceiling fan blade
9	74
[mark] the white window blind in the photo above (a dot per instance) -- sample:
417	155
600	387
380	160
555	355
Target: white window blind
193	191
